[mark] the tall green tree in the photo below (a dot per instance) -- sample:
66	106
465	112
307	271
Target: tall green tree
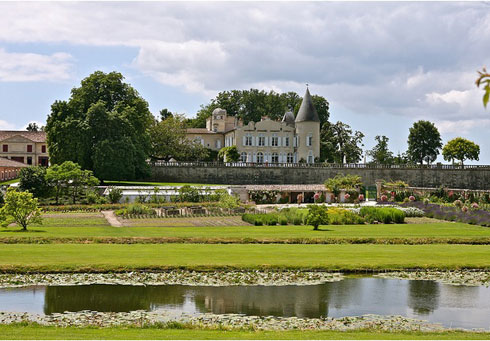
33	127
165	113
461	149
339	143
168	140
253	104
103	127
21	208
71	179
424	142
33	179
380	153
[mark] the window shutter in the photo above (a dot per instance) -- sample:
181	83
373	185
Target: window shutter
278	141
244	140
266	140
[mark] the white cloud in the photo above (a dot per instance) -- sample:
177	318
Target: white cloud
4	125
30	67
461	126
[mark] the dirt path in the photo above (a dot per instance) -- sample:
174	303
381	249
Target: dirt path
111	218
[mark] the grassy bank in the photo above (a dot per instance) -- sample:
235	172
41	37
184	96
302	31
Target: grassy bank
108	257
19	332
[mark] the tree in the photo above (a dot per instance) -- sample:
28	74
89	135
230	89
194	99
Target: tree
251	105
168	140
103	127
165	113
317	215
21	208
484	80
343	182
33	127
69	177
380	153
461	149
33	179
424	142
229	154
338	143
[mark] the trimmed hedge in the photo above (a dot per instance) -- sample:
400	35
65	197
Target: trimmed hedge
385	215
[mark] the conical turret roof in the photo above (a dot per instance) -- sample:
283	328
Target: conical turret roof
307	111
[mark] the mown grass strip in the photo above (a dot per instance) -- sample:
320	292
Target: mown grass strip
200	240
338	257
36	332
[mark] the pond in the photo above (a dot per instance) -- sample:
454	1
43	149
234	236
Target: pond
452	306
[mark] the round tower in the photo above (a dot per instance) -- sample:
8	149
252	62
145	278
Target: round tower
307	125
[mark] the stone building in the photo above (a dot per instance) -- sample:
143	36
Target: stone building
290	140
10	169
28	147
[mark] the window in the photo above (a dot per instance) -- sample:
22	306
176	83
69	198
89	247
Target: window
274	141
261	141
309	140
243	157
310	157
43	149
286	141
29	148
218	144
248	140
290	158
260	157
29	160
275	158
5	148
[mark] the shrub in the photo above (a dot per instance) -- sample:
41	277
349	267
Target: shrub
139	209
385	215
283	220
341	216
317	215
297	221
458	203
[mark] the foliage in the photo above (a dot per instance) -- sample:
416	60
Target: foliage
115	194
424	142
226	200
380	153
136	209
253	104
343	182
342	216
71	178
230	154
264	197
484	80
384	215
168	140
32	126
165	113
33	179
460	149
103	127
21	208
317	215
339	144
188	194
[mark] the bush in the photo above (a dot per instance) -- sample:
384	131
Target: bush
385	215
317	215
283	220
341	216
115	194
139	209
33	179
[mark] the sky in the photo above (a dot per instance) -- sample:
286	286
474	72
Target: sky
381	65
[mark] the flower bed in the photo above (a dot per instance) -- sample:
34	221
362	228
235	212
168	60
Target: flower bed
462	214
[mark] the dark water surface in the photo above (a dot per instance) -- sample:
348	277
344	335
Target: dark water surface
453	306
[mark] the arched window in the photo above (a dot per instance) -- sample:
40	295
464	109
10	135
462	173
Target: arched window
275	158
243	157
290	158
260	157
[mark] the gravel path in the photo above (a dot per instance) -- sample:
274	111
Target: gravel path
111	218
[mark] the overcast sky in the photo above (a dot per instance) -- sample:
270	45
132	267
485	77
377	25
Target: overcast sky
381	66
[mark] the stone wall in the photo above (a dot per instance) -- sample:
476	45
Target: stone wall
471	178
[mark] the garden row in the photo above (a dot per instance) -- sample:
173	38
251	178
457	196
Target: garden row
333	216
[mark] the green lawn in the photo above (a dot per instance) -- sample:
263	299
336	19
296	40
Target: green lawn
16	332
107	257
9	182
90	226
145	183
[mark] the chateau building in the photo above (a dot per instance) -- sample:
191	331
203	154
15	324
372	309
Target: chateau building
291	140
27	147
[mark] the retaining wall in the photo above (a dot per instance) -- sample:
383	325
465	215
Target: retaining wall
470	178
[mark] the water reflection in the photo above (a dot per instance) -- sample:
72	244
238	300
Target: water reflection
467	307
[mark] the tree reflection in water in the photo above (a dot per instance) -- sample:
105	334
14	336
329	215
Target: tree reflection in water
423	296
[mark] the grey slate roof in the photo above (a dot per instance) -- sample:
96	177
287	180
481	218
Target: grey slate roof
307	111
288	118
